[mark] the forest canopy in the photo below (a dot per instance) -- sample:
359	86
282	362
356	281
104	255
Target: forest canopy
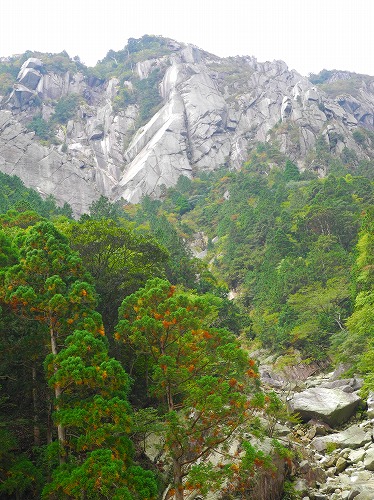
113	330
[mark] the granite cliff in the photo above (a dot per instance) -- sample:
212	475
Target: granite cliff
159	109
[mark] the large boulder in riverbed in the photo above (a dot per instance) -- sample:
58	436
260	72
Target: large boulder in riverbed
369	459
332	406
353	437
370	403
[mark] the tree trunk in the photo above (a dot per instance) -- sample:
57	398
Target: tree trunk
49	420
35	408
58	392
177	479
177	470
169	399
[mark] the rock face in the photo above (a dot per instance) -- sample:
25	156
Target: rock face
45	169
334	462
336	465
332	406
353	437
369	459
370	403
349	466
212	110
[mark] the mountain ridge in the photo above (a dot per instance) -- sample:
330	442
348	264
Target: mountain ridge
159	109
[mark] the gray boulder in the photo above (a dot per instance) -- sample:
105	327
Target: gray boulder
369	459
21	96
365	495
29	78
32	62
332	406
356	456
341	464
354	383
354	437
370	403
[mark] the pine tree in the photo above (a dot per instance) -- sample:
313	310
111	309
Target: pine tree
95	413
50	289
47	286
206	382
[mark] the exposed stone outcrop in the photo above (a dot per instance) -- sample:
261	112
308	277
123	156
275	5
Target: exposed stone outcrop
30	74
212	110
348	463
44	168
158	153
332	406
344	384
370	403
335	463
353	437
368	459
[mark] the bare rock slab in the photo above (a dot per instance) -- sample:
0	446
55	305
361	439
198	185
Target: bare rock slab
332	406
354	437
369	459
370	403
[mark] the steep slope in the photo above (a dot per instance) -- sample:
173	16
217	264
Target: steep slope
159	109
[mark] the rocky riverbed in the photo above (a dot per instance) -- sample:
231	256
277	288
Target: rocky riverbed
333	445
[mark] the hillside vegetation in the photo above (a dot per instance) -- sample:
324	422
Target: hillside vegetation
102	348
111	330
294	248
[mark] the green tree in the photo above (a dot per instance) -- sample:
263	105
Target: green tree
206	383
47	286
19	477
15	197
93	454
357	346
181	267
42	128
119	258
104	209
291	172
95	413
321	311
65	109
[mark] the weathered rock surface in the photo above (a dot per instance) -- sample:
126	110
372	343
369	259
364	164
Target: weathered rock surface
346	384
212	110
68	179
370	403
332	406
369	459
334	464
353	437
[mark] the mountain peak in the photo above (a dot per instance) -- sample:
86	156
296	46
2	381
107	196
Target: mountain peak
158	109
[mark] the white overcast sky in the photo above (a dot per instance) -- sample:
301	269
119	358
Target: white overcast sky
308	35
